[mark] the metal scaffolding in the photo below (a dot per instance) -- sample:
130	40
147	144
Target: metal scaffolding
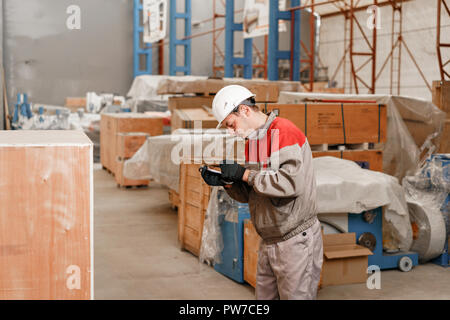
445	73
142	54
185	42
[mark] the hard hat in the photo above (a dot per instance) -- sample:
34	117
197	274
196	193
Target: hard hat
227	99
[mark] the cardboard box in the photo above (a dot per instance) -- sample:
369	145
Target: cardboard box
344	262
46	216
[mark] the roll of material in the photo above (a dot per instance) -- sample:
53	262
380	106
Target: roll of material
429	236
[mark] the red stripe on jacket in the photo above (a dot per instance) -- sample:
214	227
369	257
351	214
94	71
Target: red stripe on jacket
283	133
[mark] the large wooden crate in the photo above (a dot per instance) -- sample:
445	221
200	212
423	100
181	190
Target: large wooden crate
335	123
186	118
113	123
372	159
265	91
441	96
194	199
251	246
189	102
46	215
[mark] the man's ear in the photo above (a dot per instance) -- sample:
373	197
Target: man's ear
246	110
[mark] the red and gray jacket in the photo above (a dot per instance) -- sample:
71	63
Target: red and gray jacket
281	189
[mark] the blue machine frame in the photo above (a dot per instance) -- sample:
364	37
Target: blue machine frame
358	225
230	60
174	42
232	254
138	51
275	54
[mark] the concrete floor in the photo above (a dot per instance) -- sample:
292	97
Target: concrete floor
137	256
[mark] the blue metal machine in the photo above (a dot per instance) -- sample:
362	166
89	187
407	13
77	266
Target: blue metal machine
369	233
444	161
275	15
175	42
139	51
232	255
230	60
22	108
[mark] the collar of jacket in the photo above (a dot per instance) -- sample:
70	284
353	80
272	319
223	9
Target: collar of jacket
260	133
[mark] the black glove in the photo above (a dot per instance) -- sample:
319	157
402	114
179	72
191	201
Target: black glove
232	171
211	178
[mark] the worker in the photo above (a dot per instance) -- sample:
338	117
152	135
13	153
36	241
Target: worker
277	181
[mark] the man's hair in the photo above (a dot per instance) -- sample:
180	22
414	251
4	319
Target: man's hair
250	102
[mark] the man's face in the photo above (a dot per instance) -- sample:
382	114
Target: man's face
238	123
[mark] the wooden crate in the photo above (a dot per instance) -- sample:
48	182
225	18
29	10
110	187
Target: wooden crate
374	158
46	216
251	246
75	103
441	96
189	102
125	182
174	199
129	142
265	91
113	123
184	119
194	199
445	138
333	123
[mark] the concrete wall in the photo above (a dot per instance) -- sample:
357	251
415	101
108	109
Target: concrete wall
48	61
419	32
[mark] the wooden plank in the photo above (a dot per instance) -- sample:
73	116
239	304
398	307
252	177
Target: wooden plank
46	216
190	102
186	118
129	142
335	123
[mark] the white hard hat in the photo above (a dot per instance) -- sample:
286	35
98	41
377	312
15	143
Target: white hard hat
227	99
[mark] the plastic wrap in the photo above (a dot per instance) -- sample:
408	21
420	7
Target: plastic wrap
343	186
220	207
159	158
427	194
413	127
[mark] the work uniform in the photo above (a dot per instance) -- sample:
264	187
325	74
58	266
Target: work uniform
281	193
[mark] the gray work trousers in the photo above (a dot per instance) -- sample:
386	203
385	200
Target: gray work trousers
290	270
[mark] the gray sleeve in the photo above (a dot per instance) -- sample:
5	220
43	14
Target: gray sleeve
239	191
285	182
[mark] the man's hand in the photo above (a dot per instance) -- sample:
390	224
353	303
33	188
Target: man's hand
232	171
211	178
